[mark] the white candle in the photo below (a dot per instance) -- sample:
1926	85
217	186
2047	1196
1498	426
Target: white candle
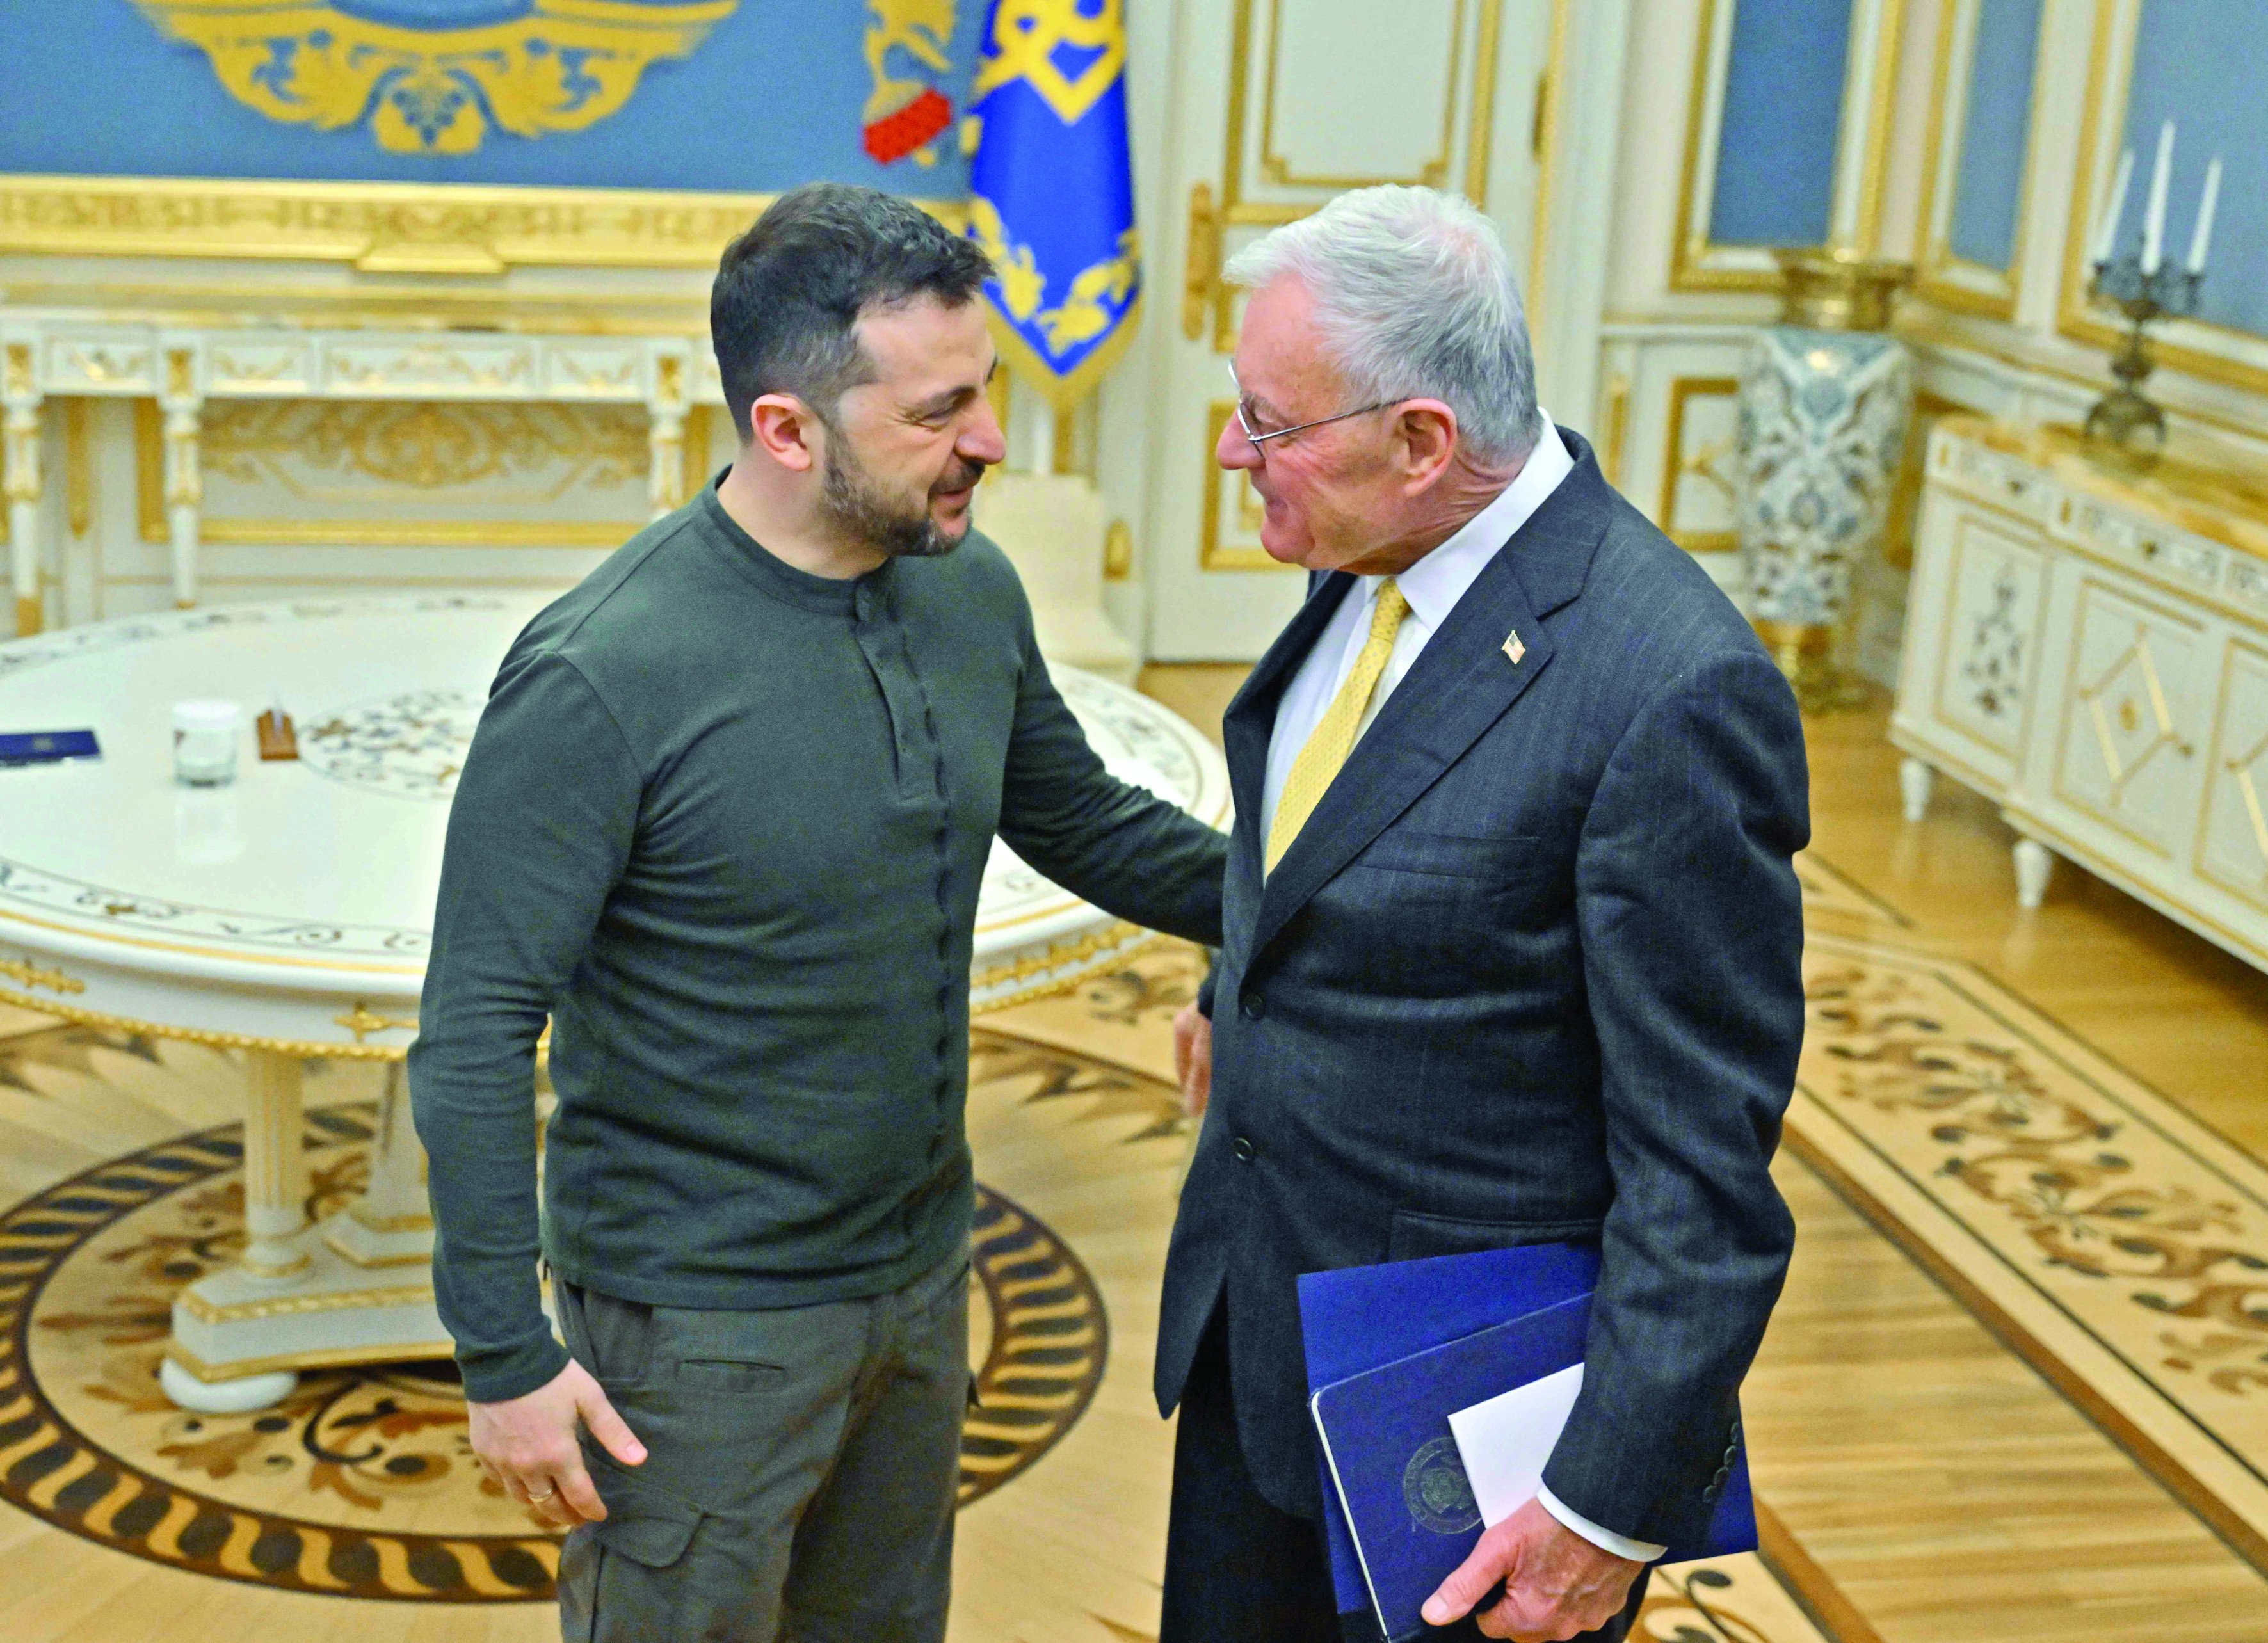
2153	223
2106	231
2202	235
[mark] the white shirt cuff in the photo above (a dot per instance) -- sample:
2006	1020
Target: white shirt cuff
1605	1539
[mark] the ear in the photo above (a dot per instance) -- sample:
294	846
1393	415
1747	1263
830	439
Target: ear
783	428
1425	442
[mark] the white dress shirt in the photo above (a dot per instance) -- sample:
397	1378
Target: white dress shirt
1433	586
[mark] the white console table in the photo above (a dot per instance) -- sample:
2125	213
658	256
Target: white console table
44	355
2087	642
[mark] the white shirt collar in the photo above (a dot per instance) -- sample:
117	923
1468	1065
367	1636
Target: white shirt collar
1435	583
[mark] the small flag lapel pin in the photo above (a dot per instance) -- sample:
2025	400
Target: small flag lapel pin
1513	649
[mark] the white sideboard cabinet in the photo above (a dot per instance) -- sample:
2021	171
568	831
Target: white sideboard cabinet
2087	642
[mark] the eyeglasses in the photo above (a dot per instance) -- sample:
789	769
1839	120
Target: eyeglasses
1257	439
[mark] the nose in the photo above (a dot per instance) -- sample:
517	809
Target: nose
980	440
1233	450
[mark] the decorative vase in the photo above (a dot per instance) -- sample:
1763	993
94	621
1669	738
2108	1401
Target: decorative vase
1824	404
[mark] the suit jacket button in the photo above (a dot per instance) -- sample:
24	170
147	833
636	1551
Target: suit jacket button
1243	1148
1253	1005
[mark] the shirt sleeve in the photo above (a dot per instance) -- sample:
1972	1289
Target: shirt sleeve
1129	852
1604	1539
541	828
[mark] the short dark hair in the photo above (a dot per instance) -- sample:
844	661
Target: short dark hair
789	289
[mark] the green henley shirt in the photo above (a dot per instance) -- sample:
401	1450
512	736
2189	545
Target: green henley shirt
724	823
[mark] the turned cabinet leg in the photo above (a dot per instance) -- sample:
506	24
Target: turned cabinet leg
2034	863
1914	781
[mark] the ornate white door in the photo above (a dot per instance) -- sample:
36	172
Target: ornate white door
1280	105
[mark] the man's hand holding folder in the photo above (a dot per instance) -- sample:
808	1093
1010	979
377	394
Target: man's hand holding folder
1556	1584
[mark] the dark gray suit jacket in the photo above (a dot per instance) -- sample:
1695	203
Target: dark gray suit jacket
1531	971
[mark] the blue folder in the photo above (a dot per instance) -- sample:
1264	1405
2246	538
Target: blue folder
1392	1351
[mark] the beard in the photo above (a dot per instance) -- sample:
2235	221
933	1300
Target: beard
856	504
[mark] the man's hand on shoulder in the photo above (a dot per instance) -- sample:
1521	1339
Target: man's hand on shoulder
1193	1058
1558	1585
529	1444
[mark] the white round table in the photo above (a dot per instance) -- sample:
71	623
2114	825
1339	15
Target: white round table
287	914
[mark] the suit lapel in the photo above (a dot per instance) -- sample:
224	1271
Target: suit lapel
1250	719
1462	682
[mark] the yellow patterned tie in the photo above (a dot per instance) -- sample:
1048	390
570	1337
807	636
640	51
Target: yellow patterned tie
1333	738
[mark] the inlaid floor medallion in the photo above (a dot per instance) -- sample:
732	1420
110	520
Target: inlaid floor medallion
362	1484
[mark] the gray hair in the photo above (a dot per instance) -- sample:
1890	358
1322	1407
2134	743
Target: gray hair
1415	298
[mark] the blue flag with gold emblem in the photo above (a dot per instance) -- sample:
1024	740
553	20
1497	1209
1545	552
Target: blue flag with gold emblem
1051	189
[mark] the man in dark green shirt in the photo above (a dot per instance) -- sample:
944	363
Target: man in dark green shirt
723	823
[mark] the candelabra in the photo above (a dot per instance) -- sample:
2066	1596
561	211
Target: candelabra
2166	290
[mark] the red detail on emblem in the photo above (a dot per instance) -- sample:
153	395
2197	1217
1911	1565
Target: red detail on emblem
896	136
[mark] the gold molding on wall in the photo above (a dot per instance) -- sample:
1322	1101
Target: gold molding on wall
1675	465
1941	277
378	228
1689	254
1889	49
2111	61
1691	251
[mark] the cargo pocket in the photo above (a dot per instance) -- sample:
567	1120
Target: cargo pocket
621	1579
642	1523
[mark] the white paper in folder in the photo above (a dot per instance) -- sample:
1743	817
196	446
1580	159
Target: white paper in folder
1504	1440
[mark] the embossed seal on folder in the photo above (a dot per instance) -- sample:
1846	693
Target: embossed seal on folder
1434	1486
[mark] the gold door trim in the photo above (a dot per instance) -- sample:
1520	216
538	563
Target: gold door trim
1675	466
1212	553
1276	169
1203	280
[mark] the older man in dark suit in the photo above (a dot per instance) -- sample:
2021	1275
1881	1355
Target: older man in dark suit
1512	938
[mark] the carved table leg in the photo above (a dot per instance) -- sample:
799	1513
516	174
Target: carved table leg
1914	782
274	1249
2034	862
390	1223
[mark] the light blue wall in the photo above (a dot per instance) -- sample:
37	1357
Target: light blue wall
2204	65
1996	126
773	97
1783	110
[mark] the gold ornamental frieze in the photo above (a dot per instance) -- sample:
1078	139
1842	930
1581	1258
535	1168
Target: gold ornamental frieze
423	445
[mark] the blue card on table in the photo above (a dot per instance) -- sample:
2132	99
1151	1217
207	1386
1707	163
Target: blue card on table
47	747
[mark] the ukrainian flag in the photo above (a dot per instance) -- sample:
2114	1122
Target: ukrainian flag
1051	189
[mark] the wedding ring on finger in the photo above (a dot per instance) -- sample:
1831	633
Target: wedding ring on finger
539	1500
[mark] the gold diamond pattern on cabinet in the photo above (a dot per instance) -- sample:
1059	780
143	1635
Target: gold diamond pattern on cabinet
2233	841
2129	725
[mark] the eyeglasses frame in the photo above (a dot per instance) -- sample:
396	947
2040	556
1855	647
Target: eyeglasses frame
1259	441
